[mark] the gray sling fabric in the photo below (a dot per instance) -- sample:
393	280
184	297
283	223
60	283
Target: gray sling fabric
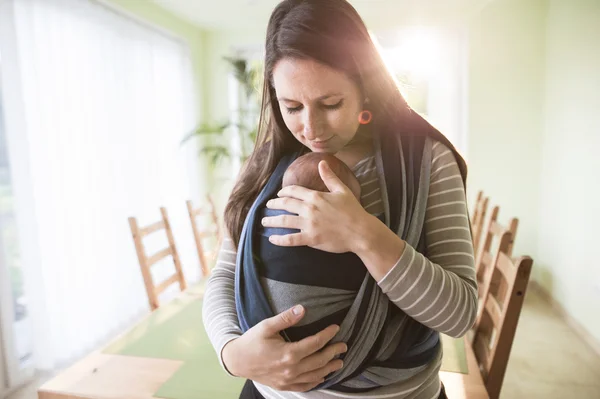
384	344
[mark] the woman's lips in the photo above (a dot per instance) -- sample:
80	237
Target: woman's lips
320	144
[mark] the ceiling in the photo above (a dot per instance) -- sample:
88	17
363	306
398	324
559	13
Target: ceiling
378	14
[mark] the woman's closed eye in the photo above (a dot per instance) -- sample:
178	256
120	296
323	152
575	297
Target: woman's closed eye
335	106
331	107
294	110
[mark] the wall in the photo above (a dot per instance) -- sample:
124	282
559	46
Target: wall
505	100
220	44
567	262
534	128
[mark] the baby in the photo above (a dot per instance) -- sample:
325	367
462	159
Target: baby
304	172
284	271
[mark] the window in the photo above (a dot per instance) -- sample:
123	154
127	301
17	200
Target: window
96	109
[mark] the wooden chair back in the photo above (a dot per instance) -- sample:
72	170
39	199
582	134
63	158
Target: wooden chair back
491	234
495	328
478	199
477	219
212	230
513	225
146	262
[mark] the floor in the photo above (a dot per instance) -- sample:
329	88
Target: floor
548	359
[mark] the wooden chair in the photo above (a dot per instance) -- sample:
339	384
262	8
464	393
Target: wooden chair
492	230
492	233
495	327
146	262
497	239
213	230
478	199
513	225
477	219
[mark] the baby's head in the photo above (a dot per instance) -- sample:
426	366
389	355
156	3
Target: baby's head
304	172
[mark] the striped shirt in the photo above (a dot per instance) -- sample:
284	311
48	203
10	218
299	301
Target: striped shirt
440	291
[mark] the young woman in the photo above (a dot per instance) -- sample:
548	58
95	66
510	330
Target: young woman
327	90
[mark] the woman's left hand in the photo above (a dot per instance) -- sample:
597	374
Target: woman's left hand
331	222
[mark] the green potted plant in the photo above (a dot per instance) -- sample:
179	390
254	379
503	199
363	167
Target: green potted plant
246	125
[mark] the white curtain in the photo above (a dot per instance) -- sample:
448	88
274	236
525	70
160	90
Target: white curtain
104	104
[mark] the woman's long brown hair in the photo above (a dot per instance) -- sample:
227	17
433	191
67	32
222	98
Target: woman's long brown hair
330	32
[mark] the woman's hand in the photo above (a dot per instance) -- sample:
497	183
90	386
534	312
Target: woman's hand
332	222
262	355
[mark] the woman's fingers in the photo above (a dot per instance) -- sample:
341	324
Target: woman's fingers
291	205
319	374
331	180
309	345
283	221
321	359
283	320
301	193
290	240
307	362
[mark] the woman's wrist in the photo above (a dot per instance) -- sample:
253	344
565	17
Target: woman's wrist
369	232
377	246
363	234
228	358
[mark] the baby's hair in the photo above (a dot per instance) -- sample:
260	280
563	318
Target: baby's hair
304	172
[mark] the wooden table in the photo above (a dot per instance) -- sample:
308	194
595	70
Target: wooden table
104	375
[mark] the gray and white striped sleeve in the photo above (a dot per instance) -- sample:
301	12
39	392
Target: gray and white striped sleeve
439	292
219	314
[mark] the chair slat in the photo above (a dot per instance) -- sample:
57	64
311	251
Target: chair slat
481	348
202	211
485	237
496	228
478	199
513	225
487	258
506	267
153	228
492	237
492	307
159	255
478	220
166	283
487	279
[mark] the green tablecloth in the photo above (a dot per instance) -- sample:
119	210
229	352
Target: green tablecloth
175	332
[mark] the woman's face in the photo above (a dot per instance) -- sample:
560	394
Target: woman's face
319	105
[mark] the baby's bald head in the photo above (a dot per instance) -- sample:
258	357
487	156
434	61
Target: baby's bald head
304	172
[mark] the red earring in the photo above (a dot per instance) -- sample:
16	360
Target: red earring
365	117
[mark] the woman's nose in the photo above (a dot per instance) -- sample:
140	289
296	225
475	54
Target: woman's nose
310	126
